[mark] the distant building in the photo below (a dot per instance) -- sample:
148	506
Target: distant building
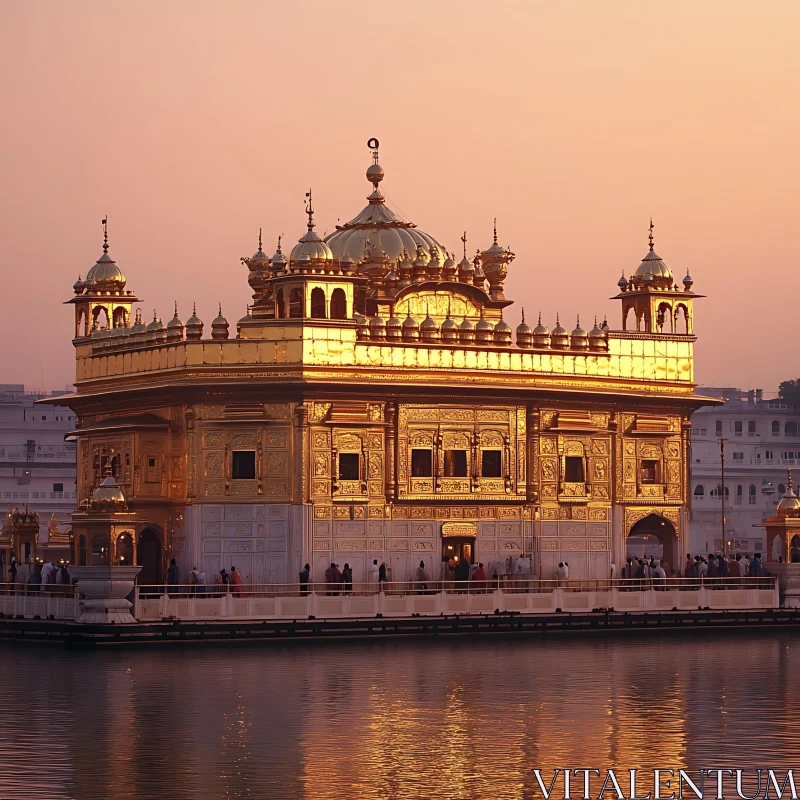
762	441
37	466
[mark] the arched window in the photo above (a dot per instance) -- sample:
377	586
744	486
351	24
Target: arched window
790	428
295	303
699	490
100	321
751	498
739	495
280	310
776	428
317	303
120	317
338	304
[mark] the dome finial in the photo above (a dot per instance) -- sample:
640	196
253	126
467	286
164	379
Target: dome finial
523	315
176	309
558	321
540	318
650	235
259	240
374	171
464	240
194	309
220	309
789	480
310	210
105	233
495	230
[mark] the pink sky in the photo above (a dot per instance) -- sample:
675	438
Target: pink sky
191	124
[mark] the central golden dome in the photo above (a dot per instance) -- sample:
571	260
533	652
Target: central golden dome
379	229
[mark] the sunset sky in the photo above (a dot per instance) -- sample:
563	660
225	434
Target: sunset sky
191	124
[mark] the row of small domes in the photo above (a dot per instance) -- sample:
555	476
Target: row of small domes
482	332
156	331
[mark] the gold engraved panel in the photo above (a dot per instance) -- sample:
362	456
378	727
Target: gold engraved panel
212	439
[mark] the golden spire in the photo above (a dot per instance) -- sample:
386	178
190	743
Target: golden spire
105	233
789	481
259	240
310	210
650	235
176	309
495	230
523	315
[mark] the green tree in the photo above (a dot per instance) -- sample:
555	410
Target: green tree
789	392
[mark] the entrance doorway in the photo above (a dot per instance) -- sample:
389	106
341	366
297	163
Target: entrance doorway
655	537
455	549
149	557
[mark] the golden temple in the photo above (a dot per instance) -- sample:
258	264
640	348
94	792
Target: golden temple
372	405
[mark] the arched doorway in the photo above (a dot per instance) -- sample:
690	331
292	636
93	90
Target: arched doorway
654	536
149	557
124	550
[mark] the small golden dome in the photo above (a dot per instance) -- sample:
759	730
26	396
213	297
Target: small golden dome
175	322
394	328
652	272
429	329
409	323
466	331
108	496
310	248
105	275
524	333
559	337
502	333
194	325
77	287
377	328
219	327
484	330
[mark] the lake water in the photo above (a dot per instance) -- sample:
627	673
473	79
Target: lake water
460	718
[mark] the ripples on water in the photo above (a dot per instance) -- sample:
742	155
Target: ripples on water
408	719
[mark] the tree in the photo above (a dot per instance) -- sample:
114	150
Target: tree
789	393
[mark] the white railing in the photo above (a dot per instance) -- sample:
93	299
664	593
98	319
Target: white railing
433	598
36	601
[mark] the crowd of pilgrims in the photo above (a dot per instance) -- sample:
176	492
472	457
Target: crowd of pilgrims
696	568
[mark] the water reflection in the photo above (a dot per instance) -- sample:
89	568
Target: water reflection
437	719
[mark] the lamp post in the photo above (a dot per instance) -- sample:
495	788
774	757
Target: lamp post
722	491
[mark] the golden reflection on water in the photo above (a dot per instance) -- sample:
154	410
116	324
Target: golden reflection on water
442	719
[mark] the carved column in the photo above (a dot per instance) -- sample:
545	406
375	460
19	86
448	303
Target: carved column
391	452
532	456
300	488
191	478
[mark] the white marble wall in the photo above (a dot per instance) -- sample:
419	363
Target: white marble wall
263	541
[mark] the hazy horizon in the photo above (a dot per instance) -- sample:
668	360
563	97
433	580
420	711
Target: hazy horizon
191	125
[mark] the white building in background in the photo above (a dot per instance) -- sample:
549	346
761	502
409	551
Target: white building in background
762	441
37	467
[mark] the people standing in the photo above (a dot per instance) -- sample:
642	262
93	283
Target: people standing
659	575
480	578
236	582
421	579
64	578
35	579
561	573
201	582
347	579
193	582
374	572
755	566
462	574
382	576
305	575
172	576
12	574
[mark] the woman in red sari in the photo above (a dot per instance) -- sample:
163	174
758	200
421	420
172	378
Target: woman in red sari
236	582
